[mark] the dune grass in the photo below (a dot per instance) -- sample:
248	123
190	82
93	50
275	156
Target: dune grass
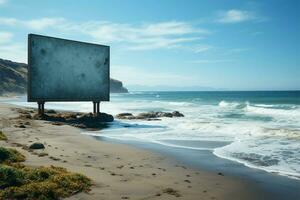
21	182
2	136
8	156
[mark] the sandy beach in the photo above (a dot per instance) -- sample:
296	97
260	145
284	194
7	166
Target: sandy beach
118	171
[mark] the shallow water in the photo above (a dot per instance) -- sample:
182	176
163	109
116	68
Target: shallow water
258	129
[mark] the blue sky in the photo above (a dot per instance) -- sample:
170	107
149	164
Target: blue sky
171	44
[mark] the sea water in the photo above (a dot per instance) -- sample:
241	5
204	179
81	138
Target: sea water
259	129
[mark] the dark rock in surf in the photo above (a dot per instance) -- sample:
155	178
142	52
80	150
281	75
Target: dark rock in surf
149	115
124	115
79	120
177	114
37	145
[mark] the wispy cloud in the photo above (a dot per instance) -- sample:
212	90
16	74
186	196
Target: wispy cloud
236	16
168	35
211	61
3	2
146	36
35	24
5	37
15	52
40	24
202	48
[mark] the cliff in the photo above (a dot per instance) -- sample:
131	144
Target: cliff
13	79
116	86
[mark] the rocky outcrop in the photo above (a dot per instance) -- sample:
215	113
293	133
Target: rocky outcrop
13	79
116	86
80	120
149	115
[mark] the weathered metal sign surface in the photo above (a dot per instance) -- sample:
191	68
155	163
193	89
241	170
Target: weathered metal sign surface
65	70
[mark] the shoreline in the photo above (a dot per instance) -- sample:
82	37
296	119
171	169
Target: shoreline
278	186
119	171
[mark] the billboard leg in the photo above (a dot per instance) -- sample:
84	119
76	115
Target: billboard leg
98	108
94	110
41	107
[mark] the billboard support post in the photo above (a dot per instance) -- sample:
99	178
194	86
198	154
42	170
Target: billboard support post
96	106
41	107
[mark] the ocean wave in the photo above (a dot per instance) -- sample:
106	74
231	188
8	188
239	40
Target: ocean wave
271	111
226	104
263	154
182	146
233	105
288	112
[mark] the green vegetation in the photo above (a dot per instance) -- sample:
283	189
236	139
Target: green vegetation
2	136
10	156
21	182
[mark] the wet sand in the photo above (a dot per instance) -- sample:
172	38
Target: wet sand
118	171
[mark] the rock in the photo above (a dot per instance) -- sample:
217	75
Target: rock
51	111
149	115
37	145
177	114
124	115
167	115
79	120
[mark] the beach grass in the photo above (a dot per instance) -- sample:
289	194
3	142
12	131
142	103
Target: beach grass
8	156
22	182
2	136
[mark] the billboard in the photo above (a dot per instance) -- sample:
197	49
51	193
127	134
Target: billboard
66	70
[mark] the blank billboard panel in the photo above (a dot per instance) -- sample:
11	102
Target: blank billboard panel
66	70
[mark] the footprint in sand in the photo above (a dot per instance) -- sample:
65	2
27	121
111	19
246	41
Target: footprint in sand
172	191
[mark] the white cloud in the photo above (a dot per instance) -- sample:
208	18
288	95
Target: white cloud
35	24
146	36
5	37
3	2
9	21
39	24
15	52
161	42
211	61
236	16
168	35
202	48
172	28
